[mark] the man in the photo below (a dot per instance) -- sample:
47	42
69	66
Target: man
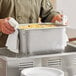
24	11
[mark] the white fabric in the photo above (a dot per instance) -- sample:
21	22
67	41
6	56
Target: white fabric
64	19
12	40
13	23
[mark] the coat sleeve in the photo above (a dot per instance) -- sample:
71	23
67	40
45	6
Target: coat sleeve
47	12
0	5
0	12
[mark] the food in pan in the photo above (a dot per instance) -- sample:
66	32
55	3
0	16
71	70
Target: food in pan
35	26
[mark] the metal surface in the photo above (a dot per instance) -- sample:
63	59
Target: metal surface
65	62
3	67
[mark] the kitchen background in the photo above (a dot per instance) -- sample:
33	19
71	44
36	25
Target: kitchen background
68	8
65	62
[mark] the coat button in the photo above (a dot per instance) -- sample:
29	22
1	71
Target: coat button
19	17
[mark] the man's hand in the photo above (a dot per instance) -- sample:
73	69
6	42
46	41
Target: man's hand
62	19
5	27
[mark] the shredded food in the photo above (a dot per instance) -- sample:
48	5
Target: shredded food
35	26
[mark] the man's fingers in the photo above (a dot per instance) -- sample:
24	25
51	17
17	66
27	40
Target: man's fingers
7	18
6	31
57	18
9	27
5	26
